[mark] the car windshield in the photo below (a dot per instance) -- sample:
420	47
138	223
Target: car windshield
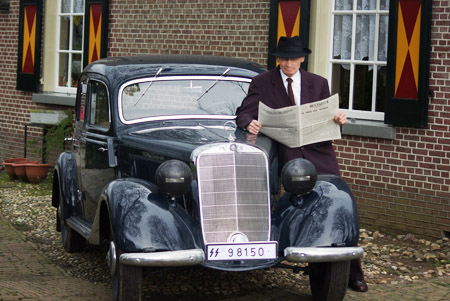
142	100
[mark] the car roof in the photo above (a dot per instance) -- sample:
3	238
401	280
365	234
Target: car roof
120	69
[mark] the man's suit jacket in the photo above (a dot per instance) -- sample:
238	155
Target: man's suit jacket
268	88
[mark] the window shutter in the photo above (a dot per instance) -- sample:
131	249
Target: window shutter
29	54
95	30
288	18
408	63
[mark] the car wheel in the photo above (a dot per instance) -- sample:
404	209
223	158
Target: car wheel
71	240
329	280
126	279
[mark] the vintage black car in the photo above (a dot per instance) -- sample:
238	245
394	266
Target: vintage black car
159	172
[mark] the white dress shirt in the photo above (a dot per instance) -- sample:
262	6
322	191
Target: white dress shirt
296	85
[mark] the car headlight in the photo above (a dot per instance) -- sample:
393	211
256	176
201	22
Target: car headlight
174	178
298	177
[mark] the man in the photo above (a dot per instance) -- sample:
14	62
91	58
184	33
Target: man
288	85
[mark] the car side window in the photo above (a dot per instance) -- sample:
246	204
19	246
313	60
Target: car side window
81	102
99	108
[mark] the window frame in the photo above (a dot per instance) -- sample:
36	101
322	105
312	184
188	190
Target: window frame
88	113
69	51
354	12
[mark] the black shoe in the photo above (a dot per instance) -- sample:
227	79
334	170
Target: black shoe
358	286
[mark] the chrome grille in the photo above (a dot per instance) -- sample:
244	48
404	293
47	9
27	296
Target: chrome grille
234	194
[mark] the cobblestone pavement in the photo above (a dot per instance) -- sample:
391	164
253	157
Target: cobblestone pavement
26	274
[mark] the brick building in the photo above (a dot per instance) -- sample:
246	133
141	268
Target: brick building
395	154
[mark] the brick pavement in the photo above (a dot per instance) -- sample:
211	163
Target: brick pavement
26	274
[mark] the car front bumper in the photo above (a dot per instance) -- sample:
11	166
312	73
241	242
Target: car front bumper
194	257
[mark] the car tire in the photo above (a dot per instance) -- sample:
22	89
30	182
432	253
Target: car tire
71	240
329	280
126	281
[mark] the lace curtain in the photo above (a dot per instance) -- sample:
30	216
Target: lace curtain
365	31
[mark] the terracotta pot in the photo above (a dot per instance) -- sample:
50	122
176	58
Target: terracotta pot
10	169
36	172
19	169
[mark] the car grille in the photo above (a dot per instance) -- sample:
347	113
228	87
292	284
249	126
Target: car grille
234	194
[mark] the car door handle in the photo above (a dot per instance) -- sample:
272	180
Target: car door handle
102	149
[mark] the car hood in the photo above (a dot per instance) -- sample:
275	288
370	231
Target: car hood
179	141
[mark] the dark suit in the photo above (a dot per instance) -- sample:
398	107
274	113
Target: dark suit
268	88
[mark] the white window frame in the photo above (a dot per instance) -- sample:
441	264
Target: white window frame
70	52
357	114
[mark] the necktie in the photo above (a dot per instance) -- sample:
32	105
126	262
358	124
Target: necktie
290	91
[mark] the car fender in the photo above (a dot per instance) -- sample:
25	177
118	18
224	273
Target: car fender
142	219
66	175
327	216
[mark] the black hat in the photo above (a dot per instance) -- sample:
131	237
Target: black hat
290	48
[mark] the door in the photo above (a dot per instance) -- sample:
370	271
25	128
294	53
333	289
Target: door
93	167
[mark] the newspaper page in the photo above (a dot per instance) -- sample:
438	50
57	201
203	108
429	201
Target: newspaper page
296	126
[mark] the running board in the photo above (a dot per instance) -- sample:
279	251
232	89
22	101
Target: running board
80	226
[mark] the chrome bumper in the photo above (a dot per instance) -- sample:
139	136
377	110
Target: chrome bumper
164	259
325	254
197	256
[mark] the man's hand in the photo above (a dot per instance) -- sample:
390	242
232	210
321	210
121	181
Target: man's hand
254	127
340	118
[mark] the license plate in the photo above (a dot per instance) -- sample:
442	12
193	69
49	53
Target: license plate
263	250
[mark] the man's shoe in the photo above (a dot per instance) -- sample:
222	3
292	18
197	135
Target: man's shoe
359	286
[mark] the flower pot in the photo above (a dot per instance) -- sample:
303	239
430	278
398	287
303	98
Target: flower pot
19	169
10	169
36	172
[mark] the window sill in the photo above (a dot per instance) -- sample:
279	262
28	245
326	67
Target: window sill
63	99
368	128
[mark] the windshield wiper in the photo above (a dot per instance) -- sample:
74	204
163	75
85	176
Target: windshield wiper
148	87
215	83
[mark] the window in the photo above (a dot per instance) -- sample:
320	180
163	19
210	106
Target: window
358	56
69	48
99	109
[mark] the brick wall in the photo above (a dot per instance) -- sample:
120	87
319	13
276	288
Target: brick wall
400	185
14	105
403	184
205	27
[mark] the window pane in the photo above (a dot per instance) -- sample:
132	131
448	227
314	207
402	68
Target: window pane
366	5
383	38
99	105
64	33
365	37
384	4
76	69
341	84
65	6
77	39
78	6
63	73
342	40
381	89
157	98
344	5
362	88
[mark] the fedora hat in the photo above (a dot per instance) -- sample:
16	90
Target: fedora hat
290	48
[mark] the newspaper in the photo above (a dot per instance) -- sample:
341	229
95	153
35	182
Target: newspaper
296	126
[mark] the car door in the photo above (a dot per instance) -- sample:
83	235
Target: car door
92	136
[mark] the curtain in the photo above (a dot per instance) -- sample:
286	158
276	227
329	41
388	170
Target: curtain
364	33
